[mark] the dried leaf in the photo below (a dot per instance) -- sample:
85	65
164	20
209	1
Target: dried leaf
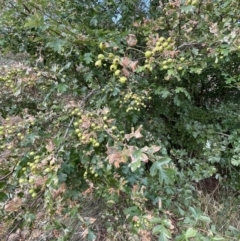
135	134
145	235
131	40
116	157
151	149
133	65
128	63
213	28
13	205
125	72
86	122
50	146
137	24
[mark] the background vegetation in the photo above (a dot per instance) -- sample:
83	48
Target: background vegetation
123	124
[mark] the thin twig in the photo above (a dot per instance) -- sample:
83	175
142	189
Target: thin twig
6	176
70	123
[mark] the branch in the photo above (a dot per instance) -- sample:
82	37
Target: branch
10	173
70	123
188	44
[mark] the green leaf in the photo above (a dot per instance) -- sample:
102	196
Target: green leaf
205	219
62	87
58	224
88	76
157	229
88	58
165	234
3	197
132	211
91	236
190	233
183	90
62	177
165	174
57	45
2	184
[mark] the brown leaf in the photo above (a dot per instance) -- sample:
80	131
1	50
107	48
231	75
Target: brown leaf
116	157
135	134
136	24
50	146
145	235
213	28
125	72
155	148
131	40
133	65
128	63
144	158
13	237
86	123
131	153
105	111
13	205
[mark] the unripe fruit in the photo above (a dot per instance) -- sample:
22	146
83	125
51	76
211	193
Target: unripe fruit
113	67
194	2
31	191
182	58
165	44
75	123
47	170
34	195
180	68
148	54
101	56
21	180
116	61
165	66
111	55
31	153
161	39
147	67
169	61
117	72
123	79
98	63
102	45
31	180
159	48
77	130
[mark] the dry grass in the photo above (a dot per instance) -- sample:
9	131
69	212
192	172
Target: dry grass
222	206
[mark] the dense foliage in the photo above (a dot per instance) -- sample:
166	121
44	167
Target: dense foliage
131	102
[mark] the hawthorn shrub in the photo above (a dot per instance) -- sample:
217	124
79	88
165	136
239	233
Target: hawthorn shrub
128	102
